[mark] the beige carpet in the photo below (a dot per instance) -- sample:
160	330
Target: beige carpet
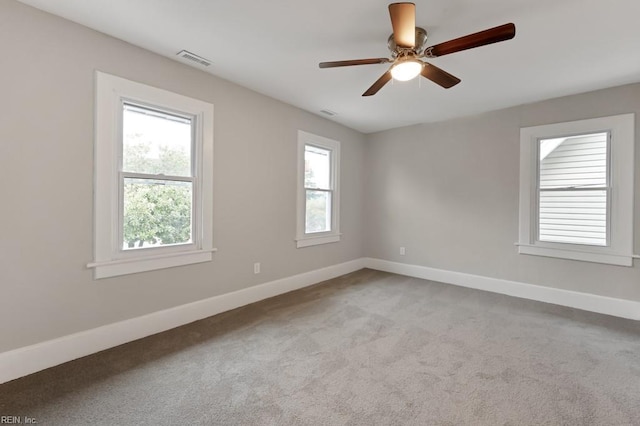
369	348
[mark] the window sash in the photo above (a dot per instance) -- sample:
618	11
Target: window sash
330	162
330	211
157	111
572	221
121	252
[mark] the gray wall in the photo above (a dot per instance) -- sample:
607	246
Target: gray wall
448	192
46	170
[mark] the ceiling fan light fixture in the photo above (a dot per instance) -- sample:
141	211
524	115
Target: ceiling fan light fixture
406	70
407	46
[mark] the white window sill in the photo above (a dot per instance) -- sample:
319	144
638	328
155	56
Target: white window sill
118	267
576	254
317	240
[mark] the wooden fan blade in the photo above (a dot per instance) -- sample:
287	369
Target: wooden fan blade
386	77
353	62
439	76
403	21
482	38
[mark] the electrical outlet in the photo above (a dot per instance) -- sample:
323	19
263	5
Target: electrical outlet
256	268
402	251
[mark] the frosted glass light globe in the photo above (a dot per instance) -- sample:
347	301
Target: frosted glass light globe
406	70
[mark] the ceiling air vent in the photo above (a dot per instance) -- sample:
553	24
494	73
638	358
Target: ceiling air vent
185	54
328	112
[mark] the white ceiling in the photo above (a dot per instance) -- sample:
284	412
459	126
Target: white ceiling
561	47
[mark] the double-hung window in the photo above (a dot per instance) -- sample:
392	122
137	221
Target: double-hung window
153	178
318	190
576	190
156	179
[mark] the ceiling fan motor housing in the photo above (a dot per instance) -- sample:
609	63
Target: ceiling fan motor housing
421	41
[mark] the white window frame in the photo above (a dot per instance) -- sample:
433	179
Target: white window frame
619	250
109	257
304	239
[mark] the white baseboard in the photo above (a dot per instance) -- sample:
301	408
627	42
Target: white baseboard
585	301
30	359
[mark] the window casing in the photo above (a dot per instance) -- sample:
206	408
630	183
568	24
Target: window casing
153	178
576	190
318	190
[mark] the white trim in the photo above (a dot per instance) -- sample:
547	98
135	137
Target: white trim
110	91
133	265
573	299
575	254
30	359
620	216
314	241
159	256
303	239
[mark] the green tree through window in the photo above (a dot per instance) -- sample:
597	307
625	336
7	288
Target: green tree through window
156	211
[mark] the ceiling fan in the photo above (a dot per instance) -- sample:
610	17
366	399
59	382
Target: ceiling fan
407	46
